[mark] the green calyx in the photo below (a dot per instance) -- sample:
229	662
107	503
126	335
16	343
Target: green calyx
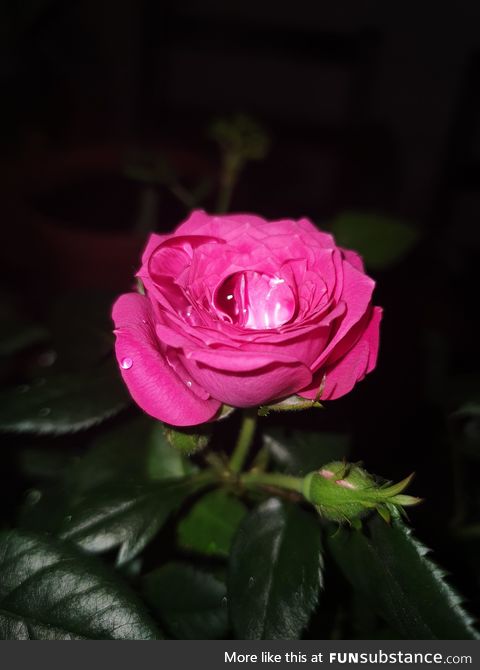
292	404
345	492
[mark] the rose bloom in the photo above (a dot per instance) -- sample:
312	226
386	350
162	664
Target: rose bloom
243	311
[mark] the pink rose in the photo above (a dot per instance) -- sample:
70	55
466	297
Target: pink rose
243	311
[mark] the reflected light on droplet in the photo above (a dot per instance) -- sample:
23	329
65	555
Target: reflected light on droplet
126	363
254	300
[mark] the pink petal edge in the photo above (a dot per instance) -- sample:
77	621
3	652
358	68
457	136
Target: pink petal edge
152	382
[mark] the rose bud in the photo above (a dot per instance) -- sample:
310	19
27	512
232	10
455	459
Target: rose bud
188	442
244	312
344	492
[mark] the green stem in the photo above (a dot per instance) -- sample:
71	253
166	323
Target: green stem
204	478
182	194
244	441
273	479
229	178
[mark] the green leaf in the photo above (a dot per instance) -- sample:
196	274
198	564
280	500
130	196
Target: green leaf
81	328
380	240
210	525
275	572
44	463
51	591
302	452
43	510
124	515
465	429
191	603
391	569
164	461
63	403
134	450
17	332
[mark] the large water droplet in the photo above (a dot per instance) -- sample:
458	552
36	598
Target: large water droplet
126	363
45	411
255	300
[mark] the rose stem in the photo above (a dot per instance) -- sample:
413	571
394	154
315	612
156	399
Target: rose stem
273	479
230	172
244	441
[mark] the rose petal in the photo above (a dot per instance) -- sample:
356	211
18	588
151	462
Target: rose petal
356	294
354	259
152	382
247	387
355	364
152	243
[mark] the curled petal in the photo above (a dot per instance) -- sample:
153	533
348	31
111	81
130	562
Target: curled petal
152	381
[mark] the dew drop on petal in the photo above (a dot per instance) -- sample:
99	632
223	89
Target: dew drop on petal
126	363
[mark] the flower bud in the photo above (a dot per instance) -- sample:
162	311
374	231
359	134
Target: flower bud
345	492
188	442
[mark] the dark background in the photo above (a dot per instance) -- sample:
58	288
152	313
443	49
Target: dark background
371	106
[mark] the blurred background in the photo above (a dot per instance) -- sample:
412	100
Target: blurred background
371	108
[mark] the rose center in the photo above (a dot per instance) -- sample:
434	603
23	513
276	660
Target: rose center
254	300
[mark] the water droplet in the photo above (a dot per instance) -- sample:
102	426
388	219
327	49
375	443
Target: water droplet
33	497
126	363
45	411
251	582
224	601
23	388
188	383
255	300
68	518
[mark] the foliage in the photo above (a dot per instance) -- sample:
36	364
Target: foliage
117	527
250	559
